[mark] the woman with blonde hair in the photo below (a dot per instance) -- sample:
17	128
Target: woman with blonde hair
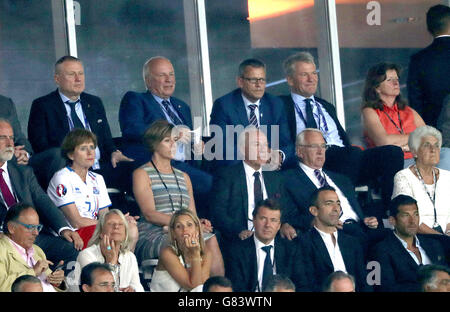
184	265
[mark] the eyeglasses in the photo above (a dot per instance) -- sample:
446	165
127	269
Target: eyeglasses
7	137
106	284
255	80
316	146
31	227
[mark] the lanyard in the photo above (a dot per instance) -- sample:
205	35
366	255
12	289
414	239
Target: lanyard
399	129
321	114
429	195
167	190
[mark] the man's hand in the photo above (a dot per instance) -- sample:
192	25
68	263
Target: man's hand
182	134
21	155
73	237
117	157
127	289
340	225
287	231
371	222
57	277
41	266
245	234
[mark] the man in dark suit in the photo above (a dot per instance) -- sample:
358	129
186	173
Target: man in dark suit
237	189
428	80
444	126
22	147
303	181
250	105
56	114
18	184
403	251
375	166
328	249
265	253
139	110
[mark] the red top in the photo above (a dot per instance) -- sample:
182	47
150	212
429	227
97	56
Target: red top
394	126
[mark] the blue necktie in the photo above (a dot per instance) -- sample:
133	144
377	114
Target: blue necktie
310	121
323	182
73	115
174	119
268	268
257	188
253	120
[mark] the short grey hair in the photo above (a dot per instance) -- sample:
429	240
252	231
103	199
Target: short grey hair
415	138
300	139
145	68
288	64
95	239
336	276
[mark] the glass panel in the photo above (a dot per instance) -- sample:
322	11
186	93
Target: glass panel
114	40
27	53
368	35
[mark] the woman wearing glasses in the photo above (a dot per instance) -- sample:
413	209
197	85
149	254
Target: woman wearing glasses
425	183
161	190
184	265
387	120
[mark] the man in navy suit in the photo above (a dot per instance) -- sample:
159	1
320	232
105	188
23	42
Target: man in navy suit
54	115
375	166
265	253
403	251
237	189
428	79
328	249
251	105
303	181
139	110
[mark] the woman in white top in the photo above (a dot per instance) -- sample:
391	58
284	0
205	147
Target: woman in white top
110	244
428	185
185	264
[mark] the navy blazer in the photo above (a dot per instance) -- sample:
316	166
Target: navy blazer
428	79
318	262
299	189
48	123
9	112
28	190
229	199
243	271
230	110
139	110
289	107
398	269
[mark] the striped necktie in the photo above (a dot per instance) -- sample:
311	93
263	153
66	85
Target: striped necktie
323	182
253	120
173	117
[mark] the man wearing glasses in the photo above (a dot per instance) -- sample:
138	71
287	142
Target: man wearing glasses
251	105
97	277
374	166
301	182
18	184
20	256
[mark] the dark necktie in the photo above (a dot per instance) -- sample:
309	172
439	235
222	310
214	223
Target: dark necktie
73	115
7	196
310	121
253	120
257	188
268	268
174	119
323	182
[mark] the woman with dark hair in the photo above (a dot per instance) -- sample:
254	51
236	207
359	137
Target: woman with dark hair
161	190
387	119
80	193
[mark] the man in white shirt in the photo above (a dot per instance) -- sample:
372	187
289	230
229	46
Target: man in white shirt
328	249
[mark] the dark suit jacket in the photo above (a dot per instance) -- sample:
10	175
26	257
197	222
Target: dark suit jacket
230	110
289	107
229	199
28	190
398	269
139	110
444	122
8	111
48	123
428	79
299	189
318	262
288	261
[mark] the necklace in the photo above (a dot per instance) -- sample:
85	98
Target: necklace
167	189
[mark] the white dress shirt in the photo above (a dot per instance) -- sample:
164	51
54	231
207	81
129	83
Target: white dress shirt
347	210
247	102
333	250
5	175
250	180
423	254
261	257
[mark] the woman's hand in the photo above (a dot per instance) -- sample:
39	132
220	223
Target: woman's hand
192	245
206	226
109	250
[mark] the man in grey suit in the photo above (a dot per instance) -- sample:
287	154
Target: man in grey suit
18	184
22	147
